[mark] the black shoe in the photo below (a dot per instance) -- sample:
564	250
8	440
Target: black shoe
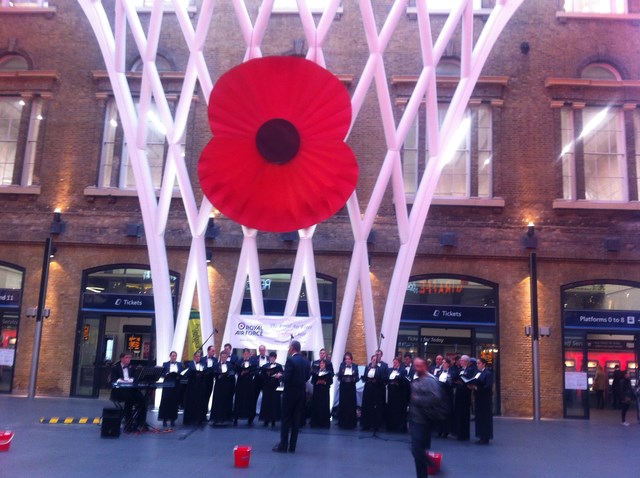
250	422
279	449
235	422
292	449
482	442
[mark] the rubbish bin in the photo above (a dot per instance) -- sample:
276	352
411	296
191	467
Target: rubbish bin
241	455
435	460
5	439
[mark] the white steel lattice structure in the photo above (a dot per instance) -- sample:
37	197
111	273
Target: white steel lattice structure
441	138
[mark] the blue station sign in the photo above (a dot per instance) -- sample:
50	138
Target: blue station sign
117	302
602	319
10	298
452	314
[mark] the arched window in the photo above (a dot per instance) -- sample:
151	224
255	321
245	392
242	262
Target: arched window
13	62
20	119
600	128
600	71
115	167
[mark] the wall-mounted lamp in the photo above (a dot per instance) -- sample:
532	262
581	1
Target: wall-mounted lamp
52	254
612	244
527	330
289	236
212	230
209	256
525	47
58	226
371	238
530	241
448	239
545	331
134	229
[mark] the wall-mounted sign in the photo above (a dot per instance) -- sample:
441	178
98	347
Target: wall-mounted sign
117	302
436	286
10	297
602	319
575	381
134	342
454	314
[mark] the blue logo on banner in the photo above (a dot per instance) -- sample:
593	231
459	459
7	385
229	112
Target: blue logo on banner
602	319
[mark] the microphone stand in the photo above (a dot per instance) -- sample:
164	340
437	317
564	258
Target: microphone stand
200	426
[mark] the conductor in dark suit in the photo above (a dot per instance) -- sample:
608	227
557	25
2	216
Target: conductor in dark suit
294	377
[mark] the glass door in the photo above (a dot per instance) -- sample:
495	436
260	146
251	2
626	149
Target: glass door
87	364
576	385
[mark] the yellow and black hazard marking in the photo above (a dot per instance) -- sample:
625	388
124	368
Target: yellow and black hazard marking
71	421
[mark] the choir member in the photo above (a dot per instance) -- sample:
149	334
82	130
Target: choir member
483	391
373	396
397	394
223	391
195	405
259	360
322	378
245	401
209	361
347	407
323	357
462	399
270	410
445	376
168	410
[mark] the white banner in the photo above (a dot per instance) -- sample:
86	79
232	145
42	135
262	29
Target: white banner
274	332
7	357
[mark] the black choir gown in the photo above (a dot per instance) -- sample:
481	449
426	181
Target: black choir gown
271	408
320	406
484	405
462	404
196	401
373	399
397	400
347	407
223	391
171	393
245	402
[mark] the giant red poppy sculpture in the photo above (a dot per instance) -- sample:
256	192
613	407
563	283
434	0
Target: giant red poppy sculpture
278	161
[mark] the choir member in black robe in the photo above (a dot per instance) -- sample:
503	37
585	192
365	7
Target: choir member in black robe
483	391
397	398
445	379
209	361
462	399
322	378
196	404
168	410
271	408
373	396
245	402
347	407
223	391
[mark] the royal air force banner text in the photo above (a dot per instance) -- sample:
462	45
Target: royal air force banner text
274	332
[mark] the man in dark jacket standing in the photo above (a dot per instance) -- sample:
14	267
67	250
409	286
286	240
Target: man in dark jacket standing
422	399
295	376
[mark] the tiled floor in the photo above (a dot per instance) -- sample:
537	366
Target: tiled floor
599	448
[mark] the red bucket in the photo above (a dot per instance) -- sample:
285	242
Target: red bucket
241	456
5	439
436	461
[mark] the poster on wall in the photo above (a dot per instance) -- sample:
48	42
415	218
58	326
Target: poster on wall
274	332
575	381
7	357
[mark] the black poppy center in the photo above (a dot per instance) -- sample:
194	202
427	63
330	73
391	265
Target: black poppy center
278	141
